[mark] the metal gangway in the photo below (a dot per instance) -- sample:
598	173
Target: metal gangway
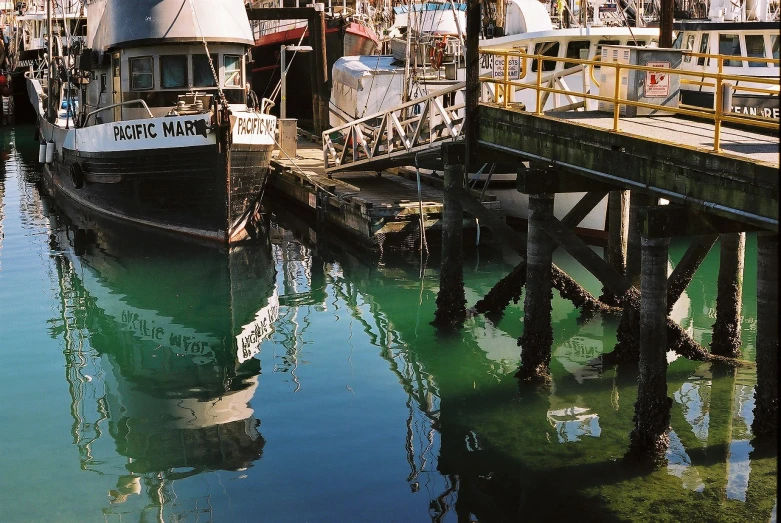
396	136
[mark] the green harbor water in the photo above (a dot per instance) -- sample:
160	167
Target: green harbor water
296	379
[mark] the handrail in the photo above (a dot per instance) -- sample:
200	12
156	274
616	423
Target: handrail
96	111
720	79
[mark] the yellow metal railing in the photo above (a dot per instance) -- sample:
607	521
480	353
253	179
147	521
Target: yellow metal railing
717	80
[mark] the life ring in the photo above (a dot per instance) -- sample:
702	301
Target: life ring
437	53
77	175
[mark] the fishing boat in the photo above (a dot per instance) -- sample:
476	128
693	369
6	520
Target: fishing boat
152	121
27	30
162	346
745	30
348	32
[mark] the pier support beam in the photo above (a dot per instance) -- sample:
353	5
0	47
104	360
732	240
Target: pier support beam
618	233
637	201
766	395
650	436
726	331
451	300
537	337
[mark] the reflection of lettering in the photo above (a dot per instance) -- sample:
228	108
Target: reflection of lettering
146	329
248	342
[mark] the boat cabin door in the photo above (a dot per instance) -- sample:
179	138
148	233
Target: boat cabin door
116	84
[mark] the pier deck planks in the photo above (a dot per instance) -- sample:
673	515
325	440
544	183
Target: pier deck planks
372	208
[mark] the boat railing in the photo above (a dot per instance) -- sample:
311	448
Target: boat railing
510	80
121	104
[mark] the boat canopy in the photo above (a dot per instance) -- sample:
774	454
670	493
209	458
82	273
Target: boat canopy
526	16
120	23
353	71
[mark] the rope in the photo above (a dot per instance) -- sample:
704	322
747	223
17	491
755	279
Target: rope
197	27
423	242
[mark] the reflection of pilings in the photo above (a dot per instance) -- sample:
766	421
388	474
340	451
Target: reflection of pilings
766	407
726	330
618	230
637	201
652	410
451	300
720	426
537	337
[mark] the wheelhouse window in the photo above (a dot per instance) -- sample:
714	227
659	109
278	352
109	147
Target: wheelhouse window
688	47
704	49
574	49
141	76
232	64
729	45
202	71
755	47
546	49
173	71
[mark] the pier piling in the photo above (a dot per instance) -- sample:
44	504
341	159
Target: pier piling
451	299
652	410
537	337
618	231
726	330
766	395
637	201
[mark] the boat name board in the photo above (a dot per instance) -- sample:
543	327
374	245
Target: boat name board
142	134
253	128
141	131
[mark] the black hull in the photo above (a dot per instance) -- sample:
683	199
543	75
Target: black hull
196	191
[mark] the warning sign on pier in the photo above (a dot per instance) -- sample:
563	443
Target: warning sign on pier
513	67
657	83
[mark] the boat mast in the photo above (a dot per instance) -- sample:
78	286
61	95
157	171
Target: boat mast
405	95
50	47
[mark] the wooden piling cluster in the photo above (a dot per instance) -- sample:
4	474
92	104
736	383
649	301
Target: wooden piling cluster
636	284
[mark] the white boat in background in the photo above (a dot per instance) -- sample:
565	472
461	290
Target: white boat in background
367	85
745	30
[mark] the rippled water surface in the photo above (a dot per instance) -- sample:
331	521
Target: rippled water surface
148	379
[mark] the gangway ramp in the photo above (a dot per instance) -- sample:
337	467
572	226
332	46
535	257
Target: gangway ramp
396	136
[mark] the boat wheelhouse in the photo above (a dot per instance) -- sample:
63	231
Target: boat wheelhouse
748	36
153	122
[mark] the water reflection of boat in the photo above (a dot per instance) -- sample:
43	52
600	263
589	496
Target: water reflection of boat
161	334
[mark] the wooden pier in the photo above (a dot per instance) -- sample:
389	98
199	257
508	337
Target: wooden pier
378	210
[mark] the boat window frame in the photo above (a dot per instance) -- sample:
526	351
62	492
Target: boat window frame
691	41
730	62
704	45
132	73
239	70
775	42
567	53
546	64
764	50
186	83
215	59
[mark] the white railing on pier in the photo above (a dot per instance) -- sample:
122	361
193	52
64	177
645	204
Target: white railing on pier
397	133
